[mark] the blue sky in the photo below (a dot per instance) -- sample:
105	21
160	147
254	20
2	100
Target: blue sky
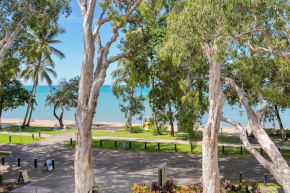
72	46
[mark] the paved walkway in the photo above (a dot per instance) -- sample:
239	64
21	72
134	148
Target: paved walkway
115	170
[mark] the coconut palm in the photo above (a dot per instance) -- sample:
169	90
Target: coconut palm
39	62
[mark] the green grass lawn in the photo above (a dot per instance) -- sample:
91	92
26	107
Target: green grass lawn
43	130
16	139
149	135
170	148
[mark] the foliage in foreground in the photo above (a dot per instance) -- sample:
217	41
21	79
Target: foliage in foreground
171	187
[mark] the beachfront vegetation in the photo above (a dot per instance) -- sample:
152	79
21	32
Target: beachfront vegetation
17	16
38	58
132	105
64	97
12	92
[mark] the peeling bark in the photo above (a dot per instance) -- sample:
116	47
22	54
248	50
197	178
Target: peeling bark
90	83
210	169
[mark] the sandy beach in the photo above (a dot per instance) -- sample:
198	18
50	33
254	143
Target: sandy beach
227	130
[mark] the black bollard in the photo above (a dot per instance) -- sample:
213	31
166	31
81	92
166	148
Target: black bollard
158	144
145	145
3	161
130	145
9	138
35	163
265	179
52	163
241	177
223	149
101	143
32	136
115	143
39	134
241	148
175	148
18	160
71	141
261	151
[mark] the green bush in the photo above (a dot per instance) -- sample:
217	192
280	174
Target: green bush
126	128
163	129
10	186
152	129
137	129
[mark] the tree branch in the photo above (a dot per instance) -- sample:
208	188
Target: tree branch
243	136
83	6
117	57
98	25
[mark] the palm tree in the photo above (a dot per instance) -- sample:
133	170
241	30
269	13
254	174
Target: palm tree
39	62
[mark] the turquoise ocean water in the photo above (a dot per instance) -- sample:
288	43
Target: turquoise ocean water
108	110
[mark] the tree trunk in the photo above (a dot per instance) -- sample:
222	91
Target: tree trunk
171	119
210	169
282	131
57	117
130	113
35	84
0	116
277	165
30	115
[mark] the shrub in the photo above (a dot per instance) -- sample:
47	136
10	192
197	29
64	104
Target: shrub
1	179
10	186
137	129
155	187
163	129
152	129
134	129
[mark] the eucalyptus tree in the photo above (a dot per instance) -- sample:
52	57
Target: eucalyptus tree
38	52
17	15
63	97
214	28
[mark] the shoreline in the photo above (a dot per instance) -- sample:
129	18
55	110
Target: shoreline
227	130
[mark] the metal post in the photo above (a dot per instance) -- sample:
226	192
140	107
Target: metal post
265	179
145	145
32	136
9	138
158	146
18	160
71	141
175	148
52	163
101	143
115	143
241	150
241	177
223	149
3	161
130	145
35	163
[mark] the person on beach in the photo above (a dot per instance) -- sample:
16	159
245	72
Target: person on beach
55	127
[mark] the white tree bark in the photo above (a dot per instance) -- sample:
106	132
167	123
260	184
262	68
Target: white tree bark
91	81
277	164
9	38
210	169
